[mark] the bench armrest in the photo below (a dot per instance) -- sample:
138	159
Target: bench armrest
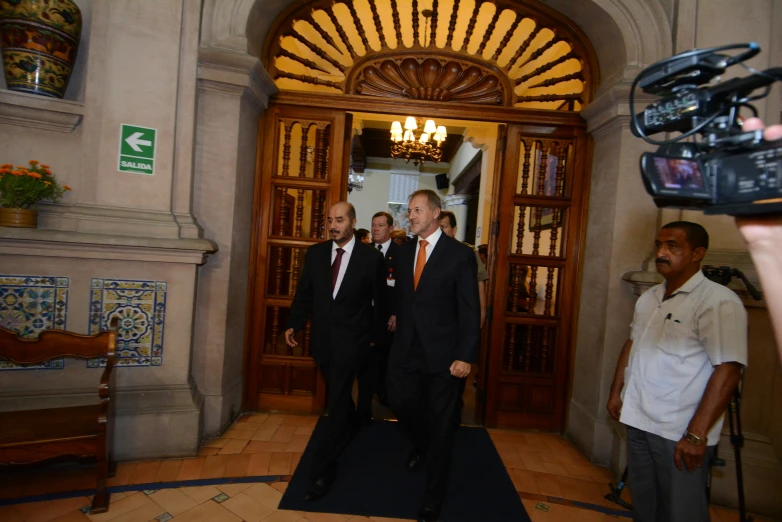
111	357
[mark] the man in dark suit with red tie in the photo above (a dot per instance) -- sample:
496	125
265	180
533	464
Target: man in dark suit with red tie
342	285
436	340
372	377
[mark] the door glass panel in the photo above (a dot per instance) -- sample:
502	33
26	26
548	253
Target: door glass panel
284	266
298	212
537	231
533	290
542	168
303	149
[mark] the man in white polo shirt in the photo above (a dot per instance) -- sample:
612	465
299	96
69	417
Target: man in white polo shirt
675	377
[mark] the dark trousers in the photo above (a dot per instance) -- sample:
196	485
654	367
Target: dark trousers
372	378
662	492
425	404
340	421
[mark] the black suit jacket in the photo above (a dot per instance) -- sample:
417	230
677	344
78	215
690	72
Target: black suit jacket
444	311
342	327
390	263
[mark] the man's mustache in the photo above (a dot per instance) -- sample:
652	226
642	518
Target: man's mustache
662	260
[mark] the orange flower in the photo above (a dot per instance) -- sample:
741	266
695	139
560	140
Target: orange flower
16	173
46	183
48	172
7	165
66	187
34	162
34	175
45	166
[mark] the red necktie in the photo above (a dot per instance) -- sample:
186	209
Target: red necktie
335	269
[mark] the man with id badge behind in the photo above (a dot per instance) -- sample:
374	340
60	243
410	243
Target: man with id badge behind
675	377
372	376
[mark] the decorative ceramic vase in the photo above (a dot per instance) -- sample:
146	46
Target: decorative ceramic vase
18	217
40	39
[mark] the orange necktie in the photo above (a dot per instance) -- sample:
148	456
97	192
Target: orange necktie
420	262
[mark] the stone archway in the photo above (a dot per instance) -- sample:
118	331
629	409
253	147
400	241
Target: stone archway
626	36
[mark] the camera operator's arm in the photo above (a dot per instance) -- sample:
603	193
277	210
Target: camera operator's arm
764	242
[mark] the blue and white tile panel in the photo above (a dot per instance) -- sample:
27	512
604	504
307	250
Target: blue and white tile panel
141	308
30	304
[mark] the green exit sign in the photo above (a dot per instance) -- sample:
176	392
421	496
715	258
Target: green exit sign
137	149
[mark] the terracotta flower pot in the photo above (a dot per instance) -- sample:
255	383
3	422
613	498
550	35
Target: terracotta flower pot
40	39
18	217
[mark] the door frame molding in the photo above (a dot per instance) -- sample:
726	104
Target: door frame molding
531	120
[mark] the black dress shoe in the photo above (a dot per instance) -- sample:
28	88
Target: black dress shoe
318	489
428	514
415	460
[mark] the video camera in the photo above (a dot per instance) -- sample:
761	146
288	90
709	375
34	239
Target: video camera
727	171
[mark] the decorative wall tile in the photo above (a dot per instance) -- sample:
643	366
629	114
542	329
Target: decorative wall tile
30	304
141	308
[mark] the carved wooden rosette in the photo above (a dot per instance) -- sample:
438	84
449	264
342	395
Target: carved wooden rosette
431	79
318	46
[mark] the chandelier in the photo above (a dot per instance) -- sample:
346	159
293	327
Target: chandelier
418	148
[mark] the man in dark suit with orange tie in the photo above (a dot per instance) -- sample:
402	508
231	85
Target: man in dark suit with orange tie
342	285
437	339
372	377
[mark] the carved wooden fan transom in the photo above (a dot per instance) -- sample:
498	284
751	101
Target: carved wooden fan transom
508	53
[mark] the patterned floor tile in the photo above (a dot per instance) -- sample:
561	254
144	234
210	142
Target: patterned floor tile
546	470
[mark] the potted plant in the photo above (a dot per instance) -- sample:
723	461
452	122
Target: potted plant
21	188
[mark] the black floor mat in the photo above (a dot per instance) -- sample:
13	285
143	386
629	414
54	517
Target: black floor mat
372	479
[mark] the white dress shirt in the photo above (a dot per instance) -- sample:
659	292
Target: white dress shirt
431	242
343	266
676	344
383	247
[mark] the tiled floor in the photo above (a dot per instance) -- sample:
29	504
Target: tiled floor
548	472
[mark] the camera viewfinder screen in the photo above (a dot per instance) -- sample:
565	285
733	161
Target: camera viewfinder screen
676	173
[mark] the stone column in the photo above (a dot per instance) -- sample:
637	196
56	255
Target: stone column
621	224
233	92
459	204
120	243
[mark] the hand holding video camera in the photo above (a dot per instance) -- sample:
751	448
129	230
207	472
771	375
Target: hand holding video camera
731	169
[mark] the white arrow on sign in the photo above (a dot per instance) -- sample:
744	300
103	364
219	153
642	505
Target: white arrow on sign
134	141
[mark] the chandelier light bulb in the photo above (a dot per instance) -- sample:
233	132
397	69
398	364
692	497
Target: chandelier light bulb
418	148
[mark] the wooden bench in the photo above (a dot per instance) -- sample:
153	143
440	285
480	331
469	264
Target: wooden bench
32	437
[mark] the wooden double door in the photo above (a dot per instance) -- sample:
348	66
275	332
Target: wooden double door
538	218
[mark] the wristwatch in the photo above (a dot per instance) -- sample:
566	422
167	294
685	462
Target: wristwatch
694	439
